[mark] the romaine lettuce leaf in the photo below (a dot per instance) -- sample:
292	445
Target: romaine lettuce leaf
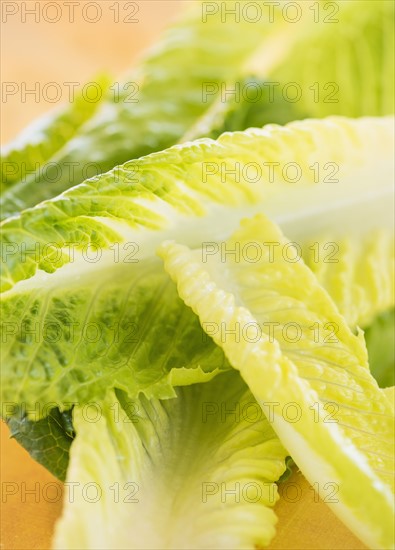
380	336
200	190
358	273
149	111
41	141
390	395
171	198
196	472
63	304
47	440
73	341
326	56
237	112
341	428
75	328
345	64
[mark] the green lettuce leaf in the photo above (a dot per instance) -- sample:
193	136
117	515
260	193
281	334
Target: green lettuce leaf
390	394
380	336
345	64
151	110
326	55
240	112
344	47
358	273
75	328
77	320
47	440
201	189
165	472
73	341
341	429
41	141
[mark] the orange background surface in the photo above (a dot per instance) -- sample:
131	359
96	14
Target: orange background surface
39	51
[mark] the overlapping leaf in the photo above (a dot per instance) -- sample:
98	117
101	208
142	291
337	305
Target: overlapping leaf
343	431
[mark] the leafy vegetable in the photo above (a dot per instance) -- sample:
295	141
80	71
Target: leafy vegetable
51	293
253	104
179	93
189	189
69	341
344	65
357	273
170	469
93	324
170	197
152	110
42	140
48	440
381	347
390	394
324	377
